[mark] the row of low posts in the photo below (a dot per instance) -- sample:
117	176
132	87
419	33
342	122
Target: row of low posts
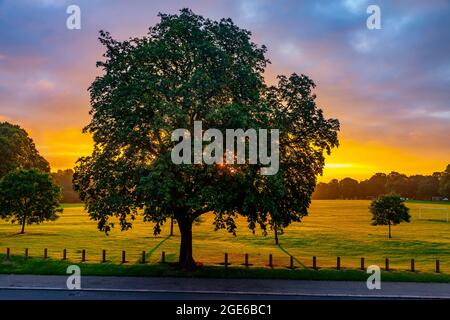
226	262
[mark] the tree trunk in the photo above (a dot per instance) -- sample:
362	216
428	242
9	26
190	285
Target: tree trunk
171	227
389	230
276	235
186	261
23	224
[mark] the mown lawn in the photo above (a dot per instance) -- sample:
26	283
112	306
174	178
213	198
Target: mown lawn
17	265
333	228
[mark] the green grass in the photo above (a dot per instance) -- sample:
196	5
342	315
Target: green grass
333	228
71	205
17	265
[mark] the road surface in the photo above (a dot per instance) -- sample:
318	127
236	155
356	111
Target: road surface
31	287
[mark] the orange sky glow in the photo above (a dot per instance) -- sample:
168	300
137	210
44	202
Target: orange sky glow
389	88
354	158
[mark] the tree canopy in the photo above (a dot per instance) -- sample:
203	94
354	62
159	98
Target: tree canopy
28	196
189	69
444	183
17	150
389	210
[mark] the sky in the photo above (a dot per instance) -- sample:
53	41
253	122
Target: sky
389	88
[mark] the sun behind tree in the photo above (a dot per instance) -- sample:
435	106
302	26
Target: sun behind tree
389	210
190	69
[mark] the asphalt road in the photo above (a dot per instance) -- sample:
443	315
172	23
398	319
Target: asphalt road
30	287
37	294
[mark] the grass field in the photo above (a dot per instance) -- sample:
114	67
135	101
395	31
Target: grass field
17	265
333	228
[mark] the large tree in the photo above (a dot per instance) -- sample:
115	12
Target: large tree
428	187
349	188
396	183
17	150
29	196
193	69
376	185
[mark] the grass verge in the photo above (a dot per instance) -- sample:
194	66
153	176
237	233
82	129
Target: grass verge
36	266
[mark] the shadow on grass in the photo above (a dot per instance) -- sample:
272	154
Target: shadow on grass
287	252
149	254
29	234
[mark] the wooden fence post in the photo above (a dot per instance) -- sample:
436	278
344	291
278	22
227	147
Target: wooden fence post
338	263
362	264
143	257
124	260
163	257
387	264
26	253
45	253
314	263
437	267
64	254
270	261
83	255
246	260
291	262
412	265
103	255
8	251
226	260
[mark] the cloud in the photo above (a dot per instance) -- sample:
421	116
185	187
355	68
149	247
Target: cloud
388	87
440	115
47	3
253	11
362	42
43	84
355	6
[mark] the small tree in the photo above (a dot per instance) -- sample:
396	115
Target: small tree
29	196
389	210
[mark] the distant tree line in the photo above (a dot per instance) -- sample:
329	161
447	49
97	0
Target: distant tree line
63	178
420	187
